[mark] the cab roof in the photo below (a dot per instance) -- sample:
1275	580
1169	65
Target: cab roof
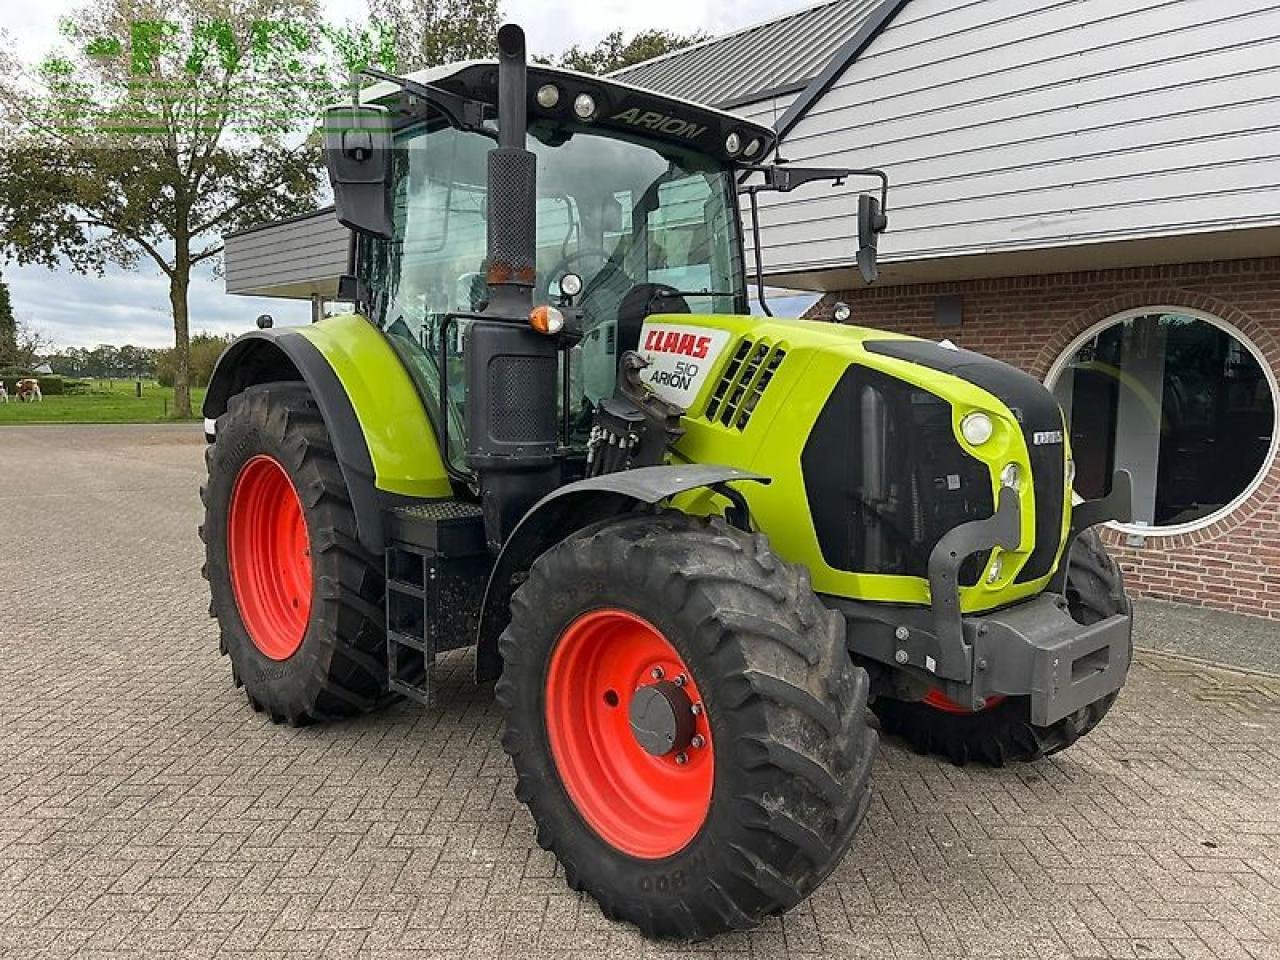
619	106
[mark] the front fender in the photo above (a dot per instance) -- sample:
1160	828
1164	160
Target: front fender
564	512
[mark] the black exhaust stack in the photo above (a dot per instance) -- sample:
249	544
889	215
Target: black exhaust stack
512	185
511	368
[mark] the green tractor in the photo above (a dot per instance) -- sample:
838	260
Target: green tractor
691	546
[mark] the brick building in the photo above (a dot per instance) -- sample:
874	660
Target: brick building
1089	190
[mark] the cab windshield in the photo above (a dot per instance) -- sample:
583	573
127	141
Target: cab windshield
617	212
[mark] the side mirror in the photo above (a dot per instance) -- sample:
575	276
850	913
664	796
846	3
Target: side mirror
357	151
871	223
353	290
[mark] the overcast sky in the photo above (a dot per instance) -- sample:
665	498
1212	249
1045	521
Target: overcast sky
133	307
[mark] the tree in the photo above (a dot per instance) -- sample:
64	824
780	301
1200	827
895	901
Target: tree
615	52
166	124
137	361
206	348
30	345
8	327
431	32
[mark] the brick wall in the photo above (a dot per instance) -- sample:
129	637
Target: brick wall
1234	564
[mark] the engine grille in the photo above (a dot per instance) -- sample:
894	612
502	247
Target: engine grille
745	379
885	477
1038	415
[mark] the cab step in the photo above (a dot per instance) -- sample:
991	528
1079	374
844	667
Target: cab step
437	568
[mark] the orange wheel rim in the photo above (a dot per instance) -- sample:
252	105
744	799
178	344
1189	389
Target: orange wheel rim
940	701
269	556
608	668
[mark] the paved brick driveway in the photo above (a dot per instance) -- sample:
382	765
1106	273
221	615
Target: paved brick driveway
145	810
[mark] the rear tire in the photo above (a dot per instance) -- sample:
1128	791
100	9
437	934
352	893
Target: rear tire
337	668
784	707
1004	732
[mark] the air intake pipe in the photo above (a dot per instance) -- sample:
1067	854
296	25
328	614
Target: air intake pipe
511	369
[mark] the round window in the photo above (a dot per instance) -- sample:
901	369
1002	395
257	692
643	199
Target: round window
1179	399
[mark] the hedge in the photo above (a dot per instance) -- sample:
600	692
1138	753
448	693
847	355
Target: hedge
49	386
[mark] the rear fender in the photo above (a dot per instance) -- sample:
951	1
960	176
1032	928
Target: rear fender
381	435
265	356
567	510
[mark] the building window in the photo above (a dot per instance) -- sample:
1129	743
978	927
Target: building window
1178	398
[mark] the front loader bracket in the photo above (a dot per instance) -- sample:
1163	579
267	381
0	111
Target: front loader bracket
1116	505
1002	529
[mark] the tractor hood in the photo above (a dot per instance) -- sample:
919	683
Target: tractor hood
864	428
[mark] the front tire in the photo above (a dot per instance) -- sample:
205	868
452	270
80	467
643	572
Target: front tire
740	812
1003	732
297	599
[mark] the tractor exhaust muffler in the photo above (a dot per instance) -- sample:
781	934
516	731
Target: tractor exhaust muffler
512	426
512	171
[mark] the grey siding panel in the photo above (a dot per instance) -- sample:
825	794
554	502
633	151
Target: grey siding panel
766	112
1018	124
297	251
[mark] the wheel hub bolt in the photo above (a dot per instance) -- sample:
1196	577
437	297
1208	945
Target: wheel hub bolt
661	718
902	656
682	758
656	673
696	741
680	680
696	709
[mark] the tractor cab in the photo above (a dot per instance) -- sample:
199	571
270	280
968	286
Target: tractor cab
635	212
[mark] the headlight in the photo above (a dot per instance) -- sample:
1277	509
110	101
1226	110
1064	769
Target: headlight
1011	476
548	95
584	105
841	312
976	429
571	284
753	147
732	144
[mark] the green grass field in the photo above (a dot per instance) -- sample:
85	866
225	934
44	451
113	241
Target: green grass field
106	401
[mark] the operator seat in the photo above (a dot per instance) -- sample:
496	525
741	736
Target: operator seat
643	300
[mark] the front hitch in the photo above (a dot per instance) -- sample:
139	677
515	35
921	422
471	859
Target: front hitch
1003	529
1116	505
1033	648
